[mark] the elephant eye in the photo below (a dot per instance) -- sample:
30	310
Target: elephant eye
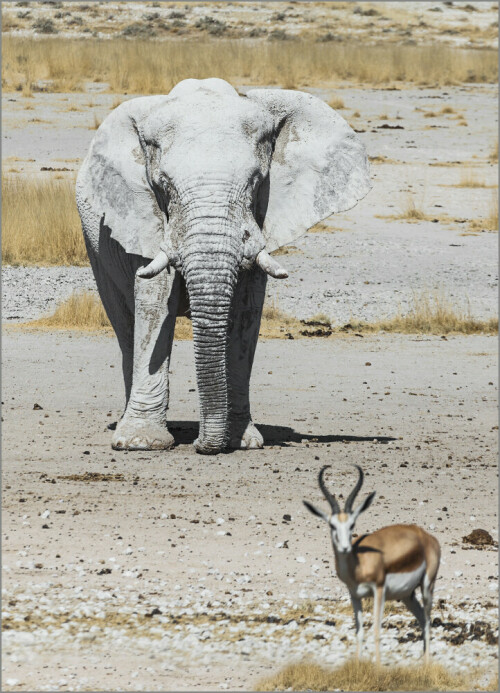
246	235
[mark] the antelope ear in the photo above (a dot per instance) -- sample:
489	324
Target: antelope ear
113	180
364	505
312	509
319	165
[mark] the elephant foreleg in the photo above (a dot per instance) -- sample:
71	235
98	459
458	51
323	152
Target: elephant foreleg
246	314
144	424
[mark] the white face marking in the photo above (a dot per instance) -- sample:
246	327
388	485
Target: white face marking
342	533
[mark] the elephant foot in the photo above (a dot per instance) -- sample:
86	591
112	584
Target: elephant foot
204	448
245	438
138	434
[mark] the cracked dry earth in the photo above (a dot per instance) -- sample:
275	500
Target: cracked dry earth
174	571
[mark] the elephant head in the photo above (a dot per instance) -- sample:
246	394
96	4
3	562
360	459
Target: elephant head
209	182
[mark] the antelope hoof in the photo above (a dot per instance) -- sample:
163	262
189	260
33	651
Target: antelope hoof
141	435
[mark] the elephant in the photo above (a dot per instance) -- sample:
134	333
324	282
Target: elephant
182	198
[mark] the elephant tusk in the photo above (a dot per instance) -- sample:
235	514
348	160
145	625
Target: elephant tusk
270	266
155	266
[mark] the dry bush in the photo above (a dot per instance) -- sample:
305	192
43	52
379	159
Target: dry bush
40	223
336	103
490	222
468	179
410	211
365	676
81	311
148	67
84	311
431	314
96	123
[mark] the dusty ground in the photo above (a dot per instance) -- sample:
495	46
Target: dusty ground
470	24
238	589
169	571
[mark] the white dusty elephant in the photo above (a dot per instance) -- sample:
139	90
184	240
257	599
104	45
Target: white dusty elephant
182	198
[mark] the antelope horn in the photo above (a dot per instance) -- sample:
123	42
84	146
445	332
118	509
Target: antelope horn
355	491
331	499
156	265
270	266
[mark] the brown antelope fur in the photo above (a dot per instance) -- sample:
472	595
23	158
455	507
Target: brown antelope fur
390	563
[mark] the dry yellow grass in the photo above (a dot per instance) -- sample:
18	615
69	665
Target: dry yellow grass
40	223
96	123
410	211
336	103
81	311
147	67
490	222
468	179
429	315
365	676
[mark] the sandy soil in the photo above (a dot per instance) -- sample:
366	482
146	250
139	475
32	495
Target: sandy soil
169	571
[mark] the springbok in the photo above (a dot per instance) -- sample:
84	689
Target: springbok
388	564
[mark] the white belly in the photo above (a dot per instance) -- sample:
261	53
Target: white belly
398	585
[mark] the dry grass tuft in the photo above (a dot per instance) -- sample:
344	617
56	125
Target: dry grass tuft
365	676
431	314
468	179
96	124
40	223
490	222
81	311
336	103
494	152
139	66
410	211
447	110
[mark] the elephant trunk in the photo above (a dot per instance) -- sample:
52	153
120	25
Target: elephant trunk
211	261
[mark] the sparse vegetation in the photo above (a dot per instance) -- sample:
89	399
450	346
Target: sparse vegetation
81	311
429	315
468	179
365	676
146	67
410	211
40	223
490	222
494	152
336	103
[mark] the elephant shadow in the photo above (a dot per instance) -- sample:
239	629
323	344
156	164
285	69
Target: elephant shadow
185	432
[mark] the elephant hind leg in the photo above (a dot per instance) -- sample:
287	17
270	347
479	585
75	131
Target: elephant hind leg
120	311
246	314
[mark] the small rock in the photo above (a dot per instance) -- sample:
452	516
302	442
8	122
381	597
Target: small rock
37	406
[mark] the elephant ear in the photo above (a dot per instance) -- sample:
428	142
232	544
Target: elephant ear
319	165
113	179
